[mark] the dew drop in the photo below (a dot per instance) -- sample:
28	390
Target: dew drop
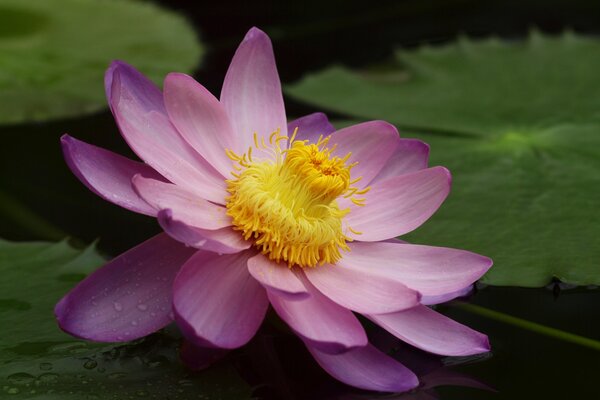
46	366
47	378
90	364
13	390
118	306
142	307
21	378
134	323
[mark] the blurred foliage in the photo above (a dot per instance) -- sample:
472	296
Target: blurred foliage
517	125
53	53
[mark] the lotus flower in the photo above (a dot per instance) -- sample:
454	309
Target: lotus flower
256	211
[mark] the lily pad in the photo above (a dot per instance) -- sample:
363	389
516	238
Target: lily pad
34	277
38	361
518	124
54	52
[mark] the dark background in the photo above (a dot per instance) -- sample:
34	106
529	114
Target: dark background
307	36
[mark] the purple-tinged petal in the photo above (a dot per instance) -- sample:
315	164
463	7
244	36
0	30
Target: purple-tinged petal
129	297
224	240
443	298
142	118
186	205
310	127
201	120
198	358
319	321
411	155
430	270
433	332
366	368
361	291
277	278
216	301
371	144
399	205
107	174
251	92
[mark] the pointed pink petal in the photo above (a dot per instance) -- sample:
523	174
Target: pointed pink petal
129	297
198	358
187	206
277	277
433	332
251	91
430	270
217	303
310	127
201	120
371	144
399	205
359	290
367	368
142	118
319	321
443	298
411	155
224	240
107	174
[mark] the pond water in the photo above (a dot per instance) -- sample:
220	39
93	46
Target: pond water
41	200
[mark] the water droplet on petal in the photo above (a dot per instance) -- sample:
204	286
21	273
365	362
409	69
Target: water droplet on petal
118	306
142	307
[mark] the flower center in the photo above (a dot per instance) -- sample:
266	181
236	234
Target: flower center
285	201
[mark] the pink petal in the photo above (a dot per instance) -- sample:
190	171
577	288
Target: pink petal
310	127
251	91
430	331
107	174
129	297
198	358
277	277
400	204
201	120
187	206
217	303
224	240
371	144
367	368
359	290
430	270
140	113
411	155
319	321
443	298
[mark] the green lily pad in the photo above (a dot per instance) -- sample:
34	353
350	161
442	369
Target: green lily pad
38	361
518	124
34	277
54	52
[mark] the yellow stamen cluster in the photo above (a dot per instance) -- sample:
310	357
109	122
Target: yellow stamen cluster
286	202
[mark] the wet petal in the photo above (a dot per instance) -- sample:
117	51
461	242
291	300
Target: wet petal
216	301
129	297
